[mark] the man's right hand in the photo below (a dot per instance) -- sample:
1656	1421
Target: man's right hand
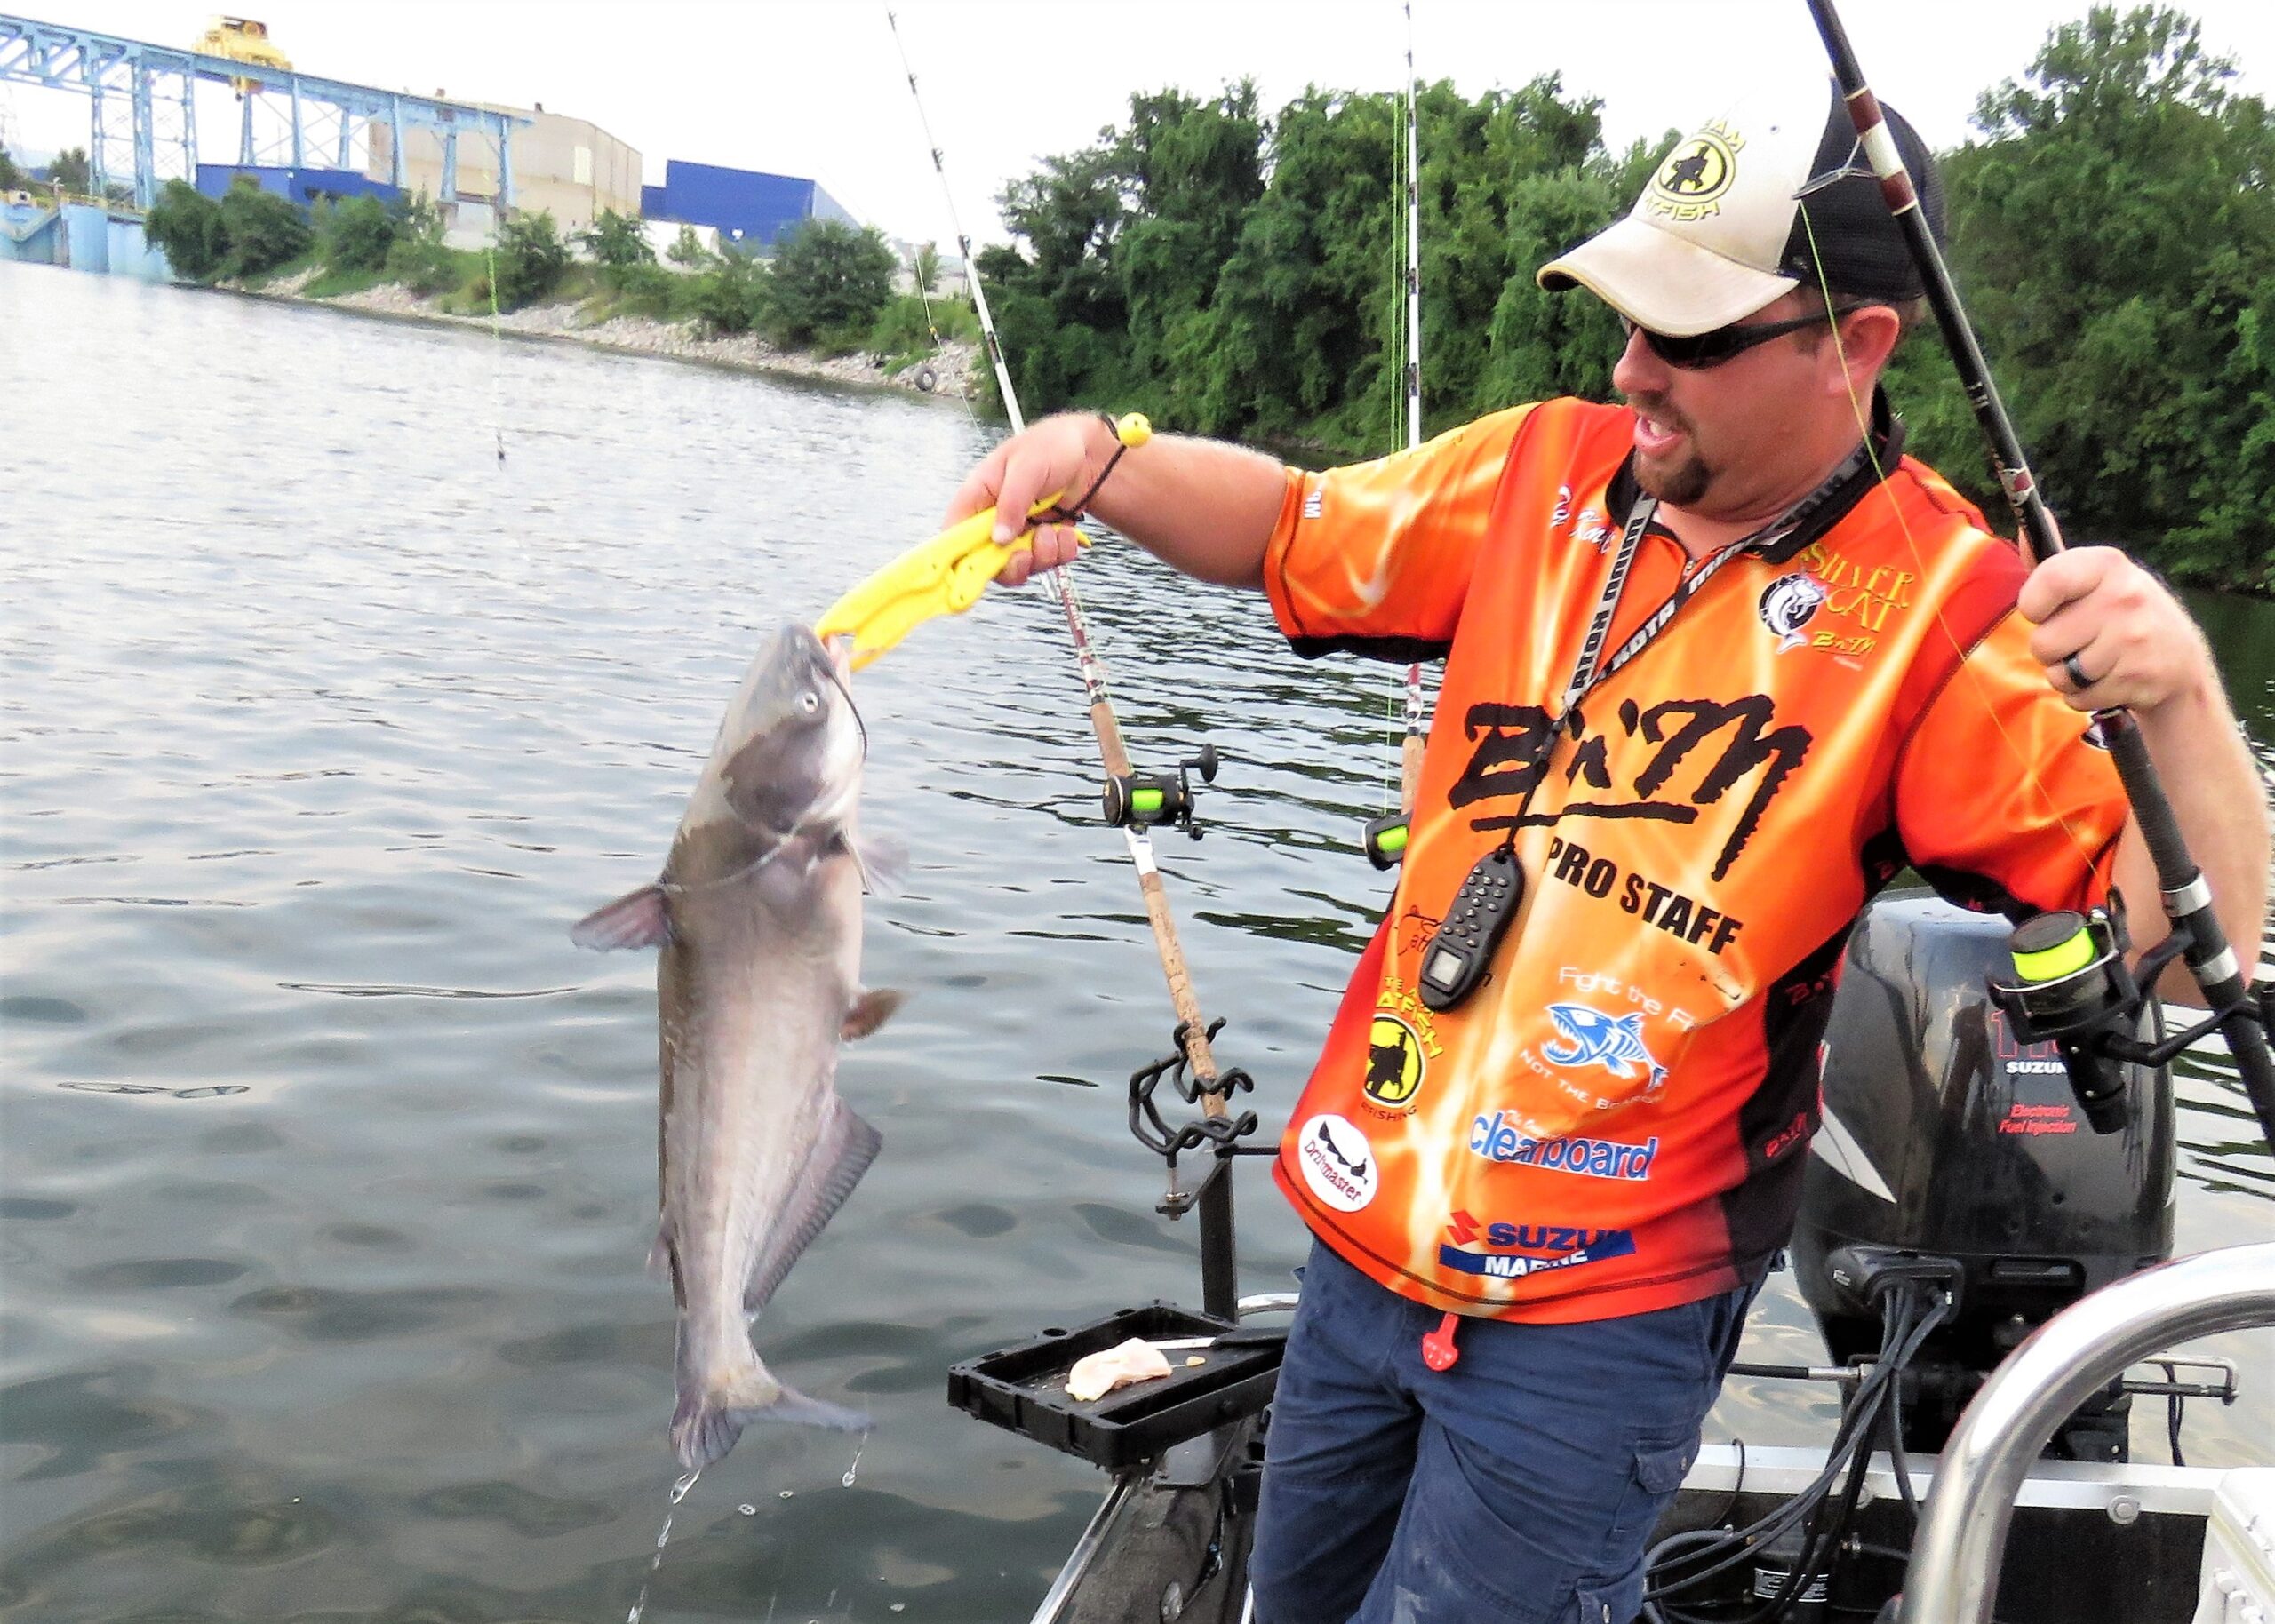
1061	456
1199	506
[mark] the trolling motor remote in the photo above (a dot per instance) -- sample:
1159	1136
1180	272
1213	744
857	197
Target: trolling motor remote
1141	800
1461	949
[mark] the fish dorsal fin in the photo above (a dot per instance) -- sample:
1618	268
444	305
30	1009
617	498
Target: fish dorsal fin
841	1153
637	919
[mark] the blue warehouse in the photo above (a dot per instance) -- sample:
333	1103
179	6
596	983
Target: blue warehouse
743	205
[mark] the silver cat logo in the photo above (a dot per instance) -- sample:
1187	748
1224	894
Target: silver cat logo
1789	603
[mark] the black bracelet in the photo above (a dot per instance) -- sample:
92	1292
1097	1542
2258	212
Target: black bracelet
1139	432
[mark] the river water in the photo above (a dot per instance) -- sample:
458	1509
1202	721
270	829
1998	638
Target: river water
329	1163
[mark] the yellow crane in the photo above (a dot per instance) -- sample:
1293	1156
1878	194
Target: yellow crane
242	39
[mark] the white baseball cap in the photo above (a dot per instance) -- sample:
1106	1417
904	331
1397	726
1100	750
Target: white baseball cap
1774	193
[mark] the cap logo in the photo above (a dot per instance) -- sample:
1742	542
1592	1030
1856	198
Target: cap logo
1690	184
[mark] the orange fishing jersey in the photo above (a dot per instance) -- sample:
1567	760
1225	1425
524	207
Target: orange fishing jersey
1615	1121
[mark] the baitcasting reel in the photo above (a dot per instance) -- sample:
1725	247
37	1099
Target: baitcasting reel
1142	800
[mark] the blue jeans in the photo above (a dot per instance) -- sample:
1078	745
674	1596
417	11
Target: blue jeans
1521	1484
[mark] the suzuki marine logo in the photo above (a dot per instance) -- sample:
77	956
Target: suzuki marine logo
1338	1163
1512	1250
1394	1062
1789	603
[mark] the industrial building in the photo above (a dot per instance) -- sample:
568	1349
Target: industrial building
569	167
305	188
748	210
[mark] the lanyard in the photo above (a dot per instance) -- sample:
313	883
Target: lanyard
1585	677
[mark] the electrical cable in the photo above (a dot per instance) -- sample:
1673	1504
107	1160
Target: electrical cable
1904	1328
2173	1404
1897	1462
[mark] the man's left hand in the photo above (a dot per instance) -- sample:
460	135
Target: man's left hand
2101	618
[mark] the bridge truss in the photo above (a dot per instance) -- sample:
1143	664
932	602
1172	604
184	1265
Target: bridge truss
142	126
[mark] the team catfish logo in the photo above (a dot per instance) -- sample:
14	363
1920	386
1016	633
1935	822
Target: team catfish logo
1338	1163
1510	1251
1587	1036
1664	761
1395	1062
1690	184
1789	603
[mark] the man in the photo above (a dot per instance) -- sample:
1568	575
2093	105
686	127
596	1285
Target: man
1720	664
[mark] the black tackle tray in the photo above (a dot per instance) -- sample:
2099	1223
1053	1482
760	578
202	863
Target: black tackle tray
1024	1389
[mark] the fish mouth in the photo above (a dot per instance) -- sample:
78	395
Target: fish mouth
837	680
834	656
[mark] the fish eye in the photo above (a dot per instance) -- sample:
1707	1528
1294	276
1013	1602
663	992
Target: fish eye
810	702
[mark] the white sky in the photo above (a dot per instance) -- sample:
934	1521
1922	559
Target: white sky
813	87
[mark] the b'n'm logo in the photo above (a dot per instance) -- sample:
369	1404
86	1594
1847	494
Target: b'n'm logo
1697	171
1394	1062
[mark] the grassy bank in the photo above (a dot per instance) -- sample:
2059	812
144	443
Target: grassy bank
824	298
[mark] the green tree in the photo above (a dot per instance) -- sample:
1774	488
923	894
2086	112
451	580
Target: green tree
1542	344
1191	171
614	239
70	170
530	259
733	295
829	282
2115	236
356	234
262	230
11	177
687	249
927	268
418	259
1305	302
187	225
1057	307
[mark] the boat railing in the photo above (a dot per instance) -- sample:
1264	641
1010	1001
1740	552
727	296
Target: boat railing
1953	1575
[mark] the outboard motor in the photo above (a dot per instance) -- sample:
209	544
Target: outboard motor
1945	1137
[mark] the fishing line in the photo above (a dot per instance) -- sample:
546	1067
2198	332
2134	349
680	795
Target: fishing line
1863	413
1410	747
497	355
1192	1030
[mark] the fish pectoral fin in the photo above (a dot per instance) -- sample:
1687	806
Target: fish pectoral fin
795	1407
870	1011
663	1258
841	1153
637	919
705	1426
884	861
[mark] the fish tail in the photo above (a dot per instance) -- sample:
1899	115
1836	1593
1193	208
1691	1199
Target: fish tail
710	1416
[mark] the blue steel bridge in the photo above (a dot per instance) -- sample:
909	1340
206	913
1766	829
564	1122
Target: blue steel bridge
142	125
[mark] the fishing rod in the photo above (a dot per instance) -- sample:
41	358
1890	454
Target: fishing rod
2073	986
1385	837
1135	802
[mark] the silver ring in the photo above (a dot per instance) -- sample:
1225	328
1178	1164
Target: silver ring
2076	671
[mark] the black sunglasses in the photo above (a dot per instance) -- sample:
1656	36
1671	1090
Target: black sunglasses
1711	349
